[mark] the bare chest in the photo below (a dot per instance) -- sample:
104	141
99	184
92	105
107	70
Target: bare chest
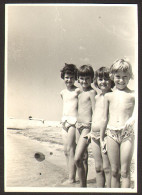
122	101
84	98
68	96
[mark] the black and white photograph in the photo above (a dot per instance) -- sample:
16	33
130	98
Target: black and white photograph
71	98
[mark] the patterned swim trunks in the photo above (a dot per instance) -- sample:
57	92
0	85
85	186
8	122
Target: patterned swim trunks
120	134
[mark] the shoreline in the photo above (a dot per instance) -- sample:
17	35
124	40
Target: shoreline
21	146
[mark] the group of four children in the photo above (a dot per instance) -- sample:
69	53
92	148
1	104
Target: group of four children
105	119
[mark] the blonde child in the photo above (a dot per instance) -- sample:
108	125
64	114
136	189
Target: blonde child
85	100
118	121
104	83
69	119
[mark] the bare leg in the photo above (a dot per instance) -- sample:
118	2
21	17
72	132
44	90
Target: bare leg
96	150
71	152
69	149
85	162
107	169
113	149
126	153
64	138
80	149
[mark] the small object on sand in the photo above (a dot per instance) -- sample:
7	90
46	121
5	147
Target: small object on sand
51	153
40	173
39	156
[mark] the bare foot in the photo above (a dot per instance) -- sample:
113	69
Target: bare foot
68	182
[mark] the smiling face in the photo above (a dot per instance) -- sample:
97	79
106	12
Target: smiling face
85	81
69	80
104	84
121	79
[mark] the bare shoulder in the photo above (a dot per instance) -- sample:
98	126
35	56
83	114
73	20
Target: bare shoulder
78	90
92	92
132	92
97	96
64	91
109	95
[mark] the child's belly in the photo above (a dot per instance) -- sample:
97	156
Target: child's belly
97	119
96	126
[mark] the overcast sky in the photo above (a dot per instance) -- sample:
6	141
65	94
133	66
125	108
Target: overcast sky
40	39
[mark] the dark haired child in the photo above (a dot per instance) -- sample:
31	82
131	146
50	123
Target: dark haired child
102	166
69	118
85	103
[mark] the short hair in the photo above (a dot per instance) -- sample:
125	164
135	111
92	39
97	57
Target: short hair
121	65
102	72
86	70
69	69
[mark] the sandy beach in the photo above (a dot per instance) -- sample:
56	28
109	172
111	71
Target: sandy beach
24	170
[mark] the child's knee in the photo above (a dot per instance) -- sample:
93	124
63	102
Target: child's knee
106	170
114	172
124	174
85	156
77	161
99	169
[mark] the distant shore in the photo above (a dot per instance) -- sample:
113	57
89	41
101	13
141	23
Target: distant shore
13	123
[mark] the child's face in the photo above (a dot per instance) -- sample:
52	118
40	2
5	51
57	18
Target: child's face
85	81
121	79
104	84
69	80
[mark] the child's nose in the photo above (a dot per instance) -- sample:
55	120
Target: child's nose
121	79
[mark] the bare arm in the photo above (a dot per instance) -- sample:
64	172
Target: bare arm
92	98
61	94
104	119
93	101
131	120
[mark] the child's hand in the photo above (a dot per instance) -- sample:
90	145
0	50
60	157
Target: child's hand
88	136
103	147
130	122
